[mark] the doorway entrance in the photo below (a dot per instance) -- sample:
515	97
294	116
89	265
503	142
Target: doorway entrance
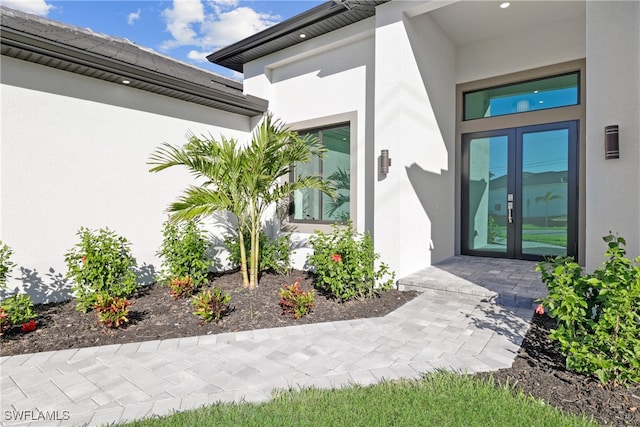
520	191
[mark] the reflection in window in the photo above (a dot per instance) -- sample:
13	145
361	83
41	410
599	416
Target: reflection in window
313	206
542	94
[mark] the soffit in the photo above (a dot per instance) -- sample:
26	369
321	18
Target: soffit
64	47
472	21
320	20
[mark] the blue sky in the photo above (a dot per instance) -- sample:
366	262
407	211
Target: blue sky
187	30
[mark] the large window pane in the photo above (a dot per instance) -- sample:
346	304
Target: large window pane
487	201
545	174
312	205
552	92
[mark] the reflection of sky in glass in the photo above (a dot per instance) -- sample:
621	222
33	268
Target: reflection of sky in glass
546	151
498	156
532	101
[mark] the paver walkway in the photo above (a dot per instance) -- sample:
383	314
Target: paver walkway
97	385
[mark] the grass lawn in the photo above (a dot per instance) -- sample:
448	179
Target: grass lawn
440	399
550	239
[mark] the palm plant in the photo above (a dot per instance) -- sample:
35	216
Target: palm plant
547	198
242	180
221	165
272	155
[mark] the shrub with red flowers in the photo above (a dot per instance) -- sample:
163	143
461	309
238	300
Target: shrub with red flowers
112	312
16	310
295	301
100	263
4	320
344	264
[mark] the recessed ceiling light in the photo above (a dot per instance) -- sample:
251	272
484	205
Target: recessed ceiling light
505	5
302	35
126	82
540	102
536	91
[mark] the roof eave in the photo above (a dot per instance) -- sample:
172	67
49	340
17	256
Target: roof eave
220	95
310	17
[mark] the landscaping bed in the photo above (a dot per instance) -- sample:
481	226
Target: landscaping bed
538	369
155	315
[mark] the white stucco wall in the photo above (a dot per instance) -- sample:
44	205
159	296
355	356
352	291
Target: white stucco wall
551	43
321	83
74	153
613	97
415	121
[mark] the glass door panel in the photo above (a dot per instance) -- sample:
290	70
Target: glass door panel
545	176
487	194
519	193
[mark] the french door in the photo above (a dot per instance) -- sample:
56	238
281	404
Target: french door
519	191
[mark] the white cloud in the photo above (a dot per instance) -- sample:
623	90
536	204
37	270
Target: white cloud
180	22
37	7
133	17
198	55
237	75
221	23
220	5
234	25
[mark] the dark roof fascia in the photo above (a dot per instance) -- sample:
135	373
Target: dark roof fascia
297	23
225	94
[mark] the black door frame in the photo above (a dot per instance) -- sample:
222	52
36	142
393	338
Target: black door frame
514	186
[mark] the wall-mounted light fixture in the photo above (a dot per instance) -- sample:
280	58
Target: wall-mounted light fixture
611	143
385	162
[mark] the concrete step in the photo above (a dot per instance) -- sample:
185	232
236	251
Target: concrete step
510	283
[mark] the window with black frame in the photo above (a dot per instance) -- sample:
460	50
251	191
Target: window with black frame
310	205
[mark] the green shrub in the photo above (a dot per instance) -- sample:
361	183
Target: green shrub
100	263
184	252
211	305
19	309
5	263
598	314
344	264
275	254
295	301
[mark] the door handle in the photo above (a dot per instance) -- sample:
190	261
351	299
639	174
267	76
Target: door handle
510	208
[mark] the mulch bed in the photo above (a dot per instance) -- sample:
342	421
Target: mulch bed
538	369
155	315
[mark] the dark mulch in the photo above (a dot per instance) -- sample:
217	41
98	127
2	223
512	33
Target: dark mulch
538	369
155	315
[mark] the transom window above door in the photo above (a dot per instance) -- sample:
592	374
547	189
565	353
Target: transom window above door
540	94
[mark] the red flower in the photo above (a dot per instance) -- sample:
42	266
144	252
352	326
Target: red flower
29	326
540	309
83	259
336	257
